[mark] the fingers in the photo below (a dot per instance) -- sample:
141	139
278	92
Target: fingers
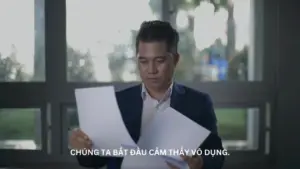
184	157
80	140
193	162
84	138
187	159
79	133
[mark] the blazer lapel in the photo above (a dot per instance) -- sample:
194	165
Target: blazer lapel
138	102
177	98
132	105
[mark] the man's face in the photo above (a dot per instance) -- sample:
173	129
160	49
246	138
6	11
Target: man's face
156	64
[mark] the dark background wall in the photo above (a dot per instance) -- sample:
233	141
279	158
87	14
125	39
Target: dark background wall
286	116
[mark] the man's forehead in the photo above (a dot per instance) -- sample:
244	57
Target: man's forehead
152	43
153	56
152	47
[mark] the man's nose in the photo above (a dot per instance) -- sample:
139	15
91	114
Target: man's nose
152	69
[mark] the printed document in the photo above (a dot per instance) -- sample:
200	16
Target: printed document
100	118
169	131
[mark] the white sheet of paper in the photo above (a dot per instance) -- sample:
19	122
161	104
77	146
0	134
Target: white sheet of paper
169	130
100	118
144	162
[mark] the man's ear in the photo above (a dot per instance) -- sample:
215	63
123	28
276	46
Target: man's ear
176	58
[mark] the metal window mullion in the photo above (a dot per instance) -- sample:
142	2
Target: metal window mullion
55	35
228	92
166	15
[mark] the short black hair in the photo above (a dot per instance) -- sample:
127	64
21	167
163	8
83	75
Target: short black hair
158	31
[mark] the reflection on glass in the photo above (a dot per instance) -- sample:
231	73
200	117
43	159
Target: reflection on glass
22	41
20	129
100	37
236	129
214	40
213	45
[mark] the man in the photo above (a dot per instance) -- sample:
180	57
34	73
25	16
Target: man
156	49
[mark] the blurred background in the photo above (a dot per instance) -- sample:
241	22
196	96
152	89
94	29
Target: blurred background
49	48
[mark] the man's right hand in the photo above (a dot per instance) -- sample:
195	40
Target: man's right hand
79	140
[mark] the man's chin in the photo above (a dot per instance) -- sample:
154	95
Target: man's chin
154	85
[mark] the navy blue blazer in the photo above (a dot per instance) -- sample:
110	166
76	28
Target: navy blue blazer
193	104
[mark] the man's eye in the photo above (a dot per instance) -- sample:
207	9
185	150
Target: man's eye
143	61
160	60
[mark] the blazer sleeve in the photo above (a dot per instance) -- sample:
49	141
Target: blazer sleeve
92	161
213	141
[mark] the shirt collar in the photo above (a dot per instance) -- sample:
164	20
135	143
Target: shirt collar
145	93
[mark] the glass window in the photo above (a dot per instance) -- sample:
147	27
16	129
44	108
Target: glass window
216	42
20	129
100	37
237	127
22	43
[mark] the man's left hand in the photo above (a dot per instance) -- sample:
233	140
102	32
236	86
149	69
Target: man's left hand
193	162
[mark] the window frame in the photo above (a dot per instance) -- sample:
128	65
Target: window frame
10	154
261	127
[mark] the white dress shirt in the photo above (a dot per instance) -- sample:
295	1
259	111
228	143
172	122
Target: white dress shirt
152	106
